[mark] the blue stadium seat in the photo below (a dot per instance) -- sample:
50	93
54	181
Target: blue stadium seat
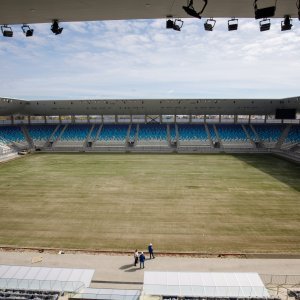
212	133
9	134
76	132
113	133
293	135
40	132
192	132
153	132
232	133
172	132
269	133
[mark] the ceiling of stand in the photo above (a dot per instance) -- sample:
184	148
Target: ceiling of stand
44	11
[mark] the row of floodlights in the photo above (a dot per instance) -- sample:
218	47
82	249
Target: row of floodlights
263	13
209	25
8	32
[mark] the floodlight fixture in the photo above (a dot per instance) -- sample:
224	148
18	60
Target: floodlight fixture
265	12
286	24
176	24
169	24
233	24
209	24
55	27
264	25
190	10
27	30
7	31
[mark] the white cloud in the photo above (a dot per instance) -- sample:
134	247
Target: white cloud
142	59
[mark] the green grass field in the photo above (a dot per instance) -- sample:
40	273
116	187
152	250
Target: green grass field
180	203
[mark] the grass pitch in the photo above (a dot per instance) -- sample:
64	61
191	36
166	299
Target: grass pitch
201	203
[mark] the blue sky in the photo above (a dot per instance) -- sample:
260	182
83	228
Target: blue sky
141	59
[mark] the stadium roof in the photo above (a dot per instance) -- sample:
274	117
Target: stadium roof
191	284
147	107
43	11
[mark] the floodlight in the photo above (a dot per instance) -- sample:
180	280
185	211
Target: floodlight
27	30
169	24
233	24
177	24
55	27
286	23
7	31
263	13
209	24
264	25
190	10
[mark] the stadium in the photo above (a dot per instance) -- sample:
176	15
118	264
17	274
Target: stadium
213	183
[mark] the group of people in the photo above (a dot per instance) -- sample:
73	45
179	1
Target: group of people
140	257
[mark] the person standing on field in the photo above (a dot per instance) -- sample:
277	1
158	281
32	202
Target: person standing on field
136	257
150	250
142	260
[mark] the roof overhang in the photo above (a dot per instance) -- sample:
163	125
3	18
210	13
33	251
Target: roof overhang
147	107
42	11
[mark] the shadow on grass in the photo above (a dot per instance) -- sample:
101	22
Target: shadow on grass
279	168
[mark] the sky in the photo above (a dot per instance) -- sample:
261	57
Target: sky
141	59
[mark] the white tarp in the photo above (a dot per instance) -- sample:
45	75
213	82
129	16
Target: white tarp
192	284
41	278
112	294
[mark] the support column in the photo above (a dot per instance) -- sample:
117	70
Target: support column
204	119
12	120
220	118
130	119
266	117
145	119
59	117
249	119
88	118
190	118
102	119
29	120
116	119
72	119
160	119
45	119
175	119
235	118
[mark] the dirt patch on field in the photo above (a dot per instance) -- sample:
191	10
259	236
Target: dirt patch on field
161	254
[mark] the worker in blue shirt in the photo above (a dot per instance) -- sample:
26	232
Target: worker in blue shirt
150	250
142	260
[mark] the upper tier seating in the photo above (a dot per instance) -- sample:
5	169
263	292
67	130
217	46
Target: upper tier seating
74	135
132	133
112	135
173	136
11	134
192	134
94	132
269	134
152	135
251	133
233	135
293	135
40	134
212	133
